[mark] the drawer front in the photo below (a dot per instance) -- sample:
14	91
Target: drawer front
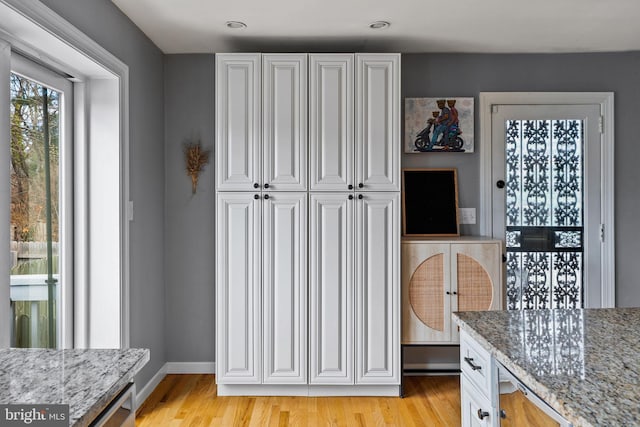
476	363
476	408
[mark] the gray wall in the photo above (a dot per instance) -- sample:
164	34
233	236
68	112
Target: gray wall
189	218
106	25
468	74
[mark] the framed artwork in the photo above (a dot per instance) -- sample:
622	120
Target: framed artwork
438	125
430	202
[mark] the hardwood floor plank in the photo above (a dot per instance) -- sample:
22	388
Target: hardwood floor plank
192	401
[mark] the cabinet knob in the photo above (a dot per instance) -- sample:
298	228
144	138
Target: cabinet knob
500	183
482	414
266	197
455	293
350	187
255	196
266	186
361	185
256	185
360	196
448	293
350	196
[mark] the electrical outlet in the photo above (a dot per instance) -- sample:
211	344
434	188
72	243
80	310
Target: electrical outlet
467	215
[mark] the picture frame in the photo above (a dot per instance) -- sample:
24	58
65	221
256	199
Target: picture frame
430	202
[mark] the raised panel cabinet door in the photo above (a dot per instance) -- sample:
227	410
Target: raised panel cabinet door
377	122
238	128
284	284
331	122
476	409
238	314
426	293
331	289
378	288
284	122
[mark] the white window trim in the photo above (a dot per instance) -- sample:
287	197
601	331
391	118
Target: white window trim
606	101
37	31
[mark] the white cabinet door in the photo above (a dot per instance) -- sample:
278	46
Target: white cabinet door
476	408
378	288
377	122
426	293
285	288
238	127
238	314
284	112
331	122
331	289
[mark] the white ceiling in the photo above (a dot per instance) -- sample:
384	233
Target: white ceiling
198	26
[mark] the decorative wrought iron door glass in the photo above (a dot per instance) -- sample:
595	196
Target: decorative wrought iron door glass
544	213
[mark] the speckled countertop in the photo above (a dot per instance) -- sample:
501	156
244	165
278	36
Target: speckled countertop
86	380
583	363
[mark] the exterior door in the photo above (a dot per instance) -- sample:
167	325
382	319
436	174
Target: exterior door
238	314
377	122
284	112
284	283
238	122
377	293
547	203
331	122
331	288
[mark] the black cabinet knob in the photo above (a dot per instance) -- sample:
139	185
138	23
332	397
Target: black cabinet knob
255	196
266	197
360	196
266	186
500	183
350	196
482	414
361	185
256	185
455	293
448	293
350	187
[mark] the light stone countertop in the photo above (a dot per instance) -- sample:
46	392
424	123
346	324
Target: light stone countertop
583	363
86	380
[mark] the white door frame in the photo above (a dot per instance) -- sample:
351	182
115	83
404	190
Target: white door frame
605	100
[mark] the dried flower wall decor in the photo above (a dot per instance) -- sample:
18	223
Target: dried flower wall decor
196	159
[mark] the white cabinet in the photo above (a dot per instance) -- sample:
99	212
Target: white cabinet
366	157
331	288
377	291
284	288
261	288
238	273
284	118
308	261
354	264
238	125
377	124
331	122
476	409
443	276
261	122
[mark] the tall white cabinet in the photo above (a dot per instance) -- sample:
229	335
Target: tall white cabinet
308	224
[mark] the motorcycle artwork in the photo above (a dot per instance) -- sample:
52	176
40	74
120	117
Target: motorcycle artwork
442	132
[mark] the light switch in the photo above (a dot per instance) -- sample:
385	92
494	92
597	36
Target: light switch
467	215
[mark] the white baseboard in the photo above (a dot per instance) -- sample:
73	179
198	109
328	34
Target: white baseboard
191	367
148	388
173	368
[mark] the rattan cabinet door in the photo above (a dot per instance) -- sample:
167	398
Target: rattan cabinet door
426	293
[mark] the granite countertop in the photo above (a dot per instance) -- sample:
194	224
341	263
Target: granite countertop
583	363
86	380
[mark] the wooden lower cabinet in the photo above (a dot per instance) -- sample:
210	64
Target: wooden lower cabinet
440	277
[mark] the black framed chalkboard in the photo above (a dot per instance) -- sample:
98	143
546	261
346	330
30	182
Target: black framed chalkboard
430	202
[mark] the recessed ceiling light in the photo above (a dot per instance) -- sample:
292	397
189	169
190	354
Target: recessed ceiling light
378	25
236	24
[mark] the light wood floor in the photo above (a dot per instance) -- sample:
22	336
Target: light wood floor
191	400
